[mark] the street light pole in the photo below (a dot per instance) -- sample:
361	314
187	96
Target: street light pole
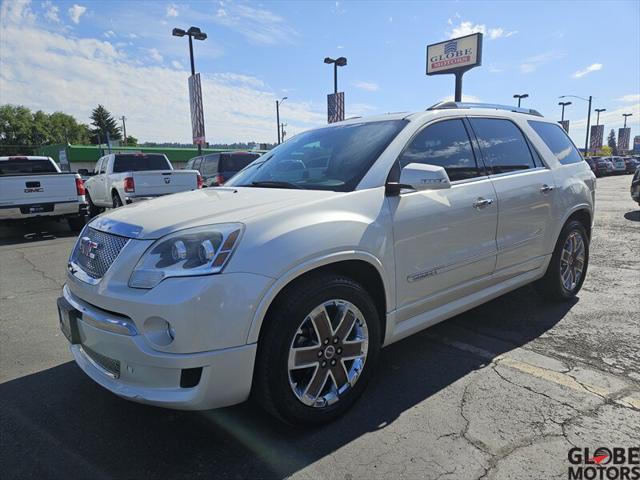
337	62
590	99
520	97
278	103
193	32
625	115
598	110
124	128
563	104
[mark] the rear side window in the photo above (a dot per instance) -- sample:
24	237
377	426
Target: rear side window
558	142
209	165
140	162
26	167
236	161
445	144
504	148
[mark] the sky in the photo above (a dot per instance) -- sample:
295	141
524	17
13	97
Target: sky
72	55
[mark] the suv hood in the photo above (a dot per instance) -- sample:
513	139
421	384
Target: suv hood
158	217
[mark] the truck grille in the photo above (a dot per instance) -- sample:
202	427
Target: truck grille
95	251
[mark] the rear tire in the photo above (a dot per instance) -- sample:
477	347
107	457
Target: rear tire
568	265
284	382
116	200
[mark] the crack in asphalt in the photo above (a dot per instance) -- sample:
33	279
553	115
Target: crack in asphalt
37	270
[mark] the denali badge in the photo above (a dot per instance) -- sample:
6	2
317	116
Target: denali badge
88	247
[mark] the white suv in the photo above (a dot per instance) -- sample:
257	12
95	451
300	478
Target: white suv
286	282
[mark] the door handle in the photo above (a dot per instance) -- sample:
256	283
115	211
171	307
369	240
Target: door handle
546	188
482	202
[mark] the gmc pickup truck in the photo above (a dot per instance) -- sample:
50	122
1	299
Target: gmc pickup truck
32	187
124	178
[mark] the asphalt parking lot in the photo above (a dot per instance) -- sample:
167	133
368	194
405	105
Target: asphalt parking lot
500	392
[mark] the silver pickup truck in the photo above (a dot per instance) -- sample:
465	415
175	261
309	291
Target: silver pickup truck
32	187
122	178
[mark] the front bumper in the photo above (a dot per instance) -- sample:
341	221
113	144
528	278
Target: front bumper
114	354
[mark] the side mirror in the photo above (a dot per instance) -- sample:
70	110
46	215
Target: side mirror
419	176
83	171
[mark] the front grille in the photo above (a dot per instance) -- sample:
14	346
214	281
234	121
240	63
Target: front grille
111	365
103	247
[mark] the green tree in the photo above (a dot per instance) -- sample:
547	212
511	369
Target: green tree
611	141
132	141
64	128
15	125
104	123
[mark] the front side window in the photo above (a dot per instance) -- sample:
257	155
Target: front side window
96	169
332	158
445	144
504	148
103	164
558	142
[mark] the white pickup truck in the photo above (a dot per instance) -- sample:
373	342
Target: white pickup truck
122	178
32	187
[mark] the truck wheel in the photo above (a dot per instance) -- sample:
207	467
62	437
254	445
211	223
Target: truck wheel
568	265
77	223
117	202
93	209
318	350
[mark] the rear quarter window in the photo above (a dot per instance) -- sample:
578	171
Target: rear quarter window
236	162
558	142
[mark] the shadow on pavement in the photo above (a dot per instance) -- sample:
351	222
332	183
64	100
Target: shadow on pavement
58	423
633	216
15	233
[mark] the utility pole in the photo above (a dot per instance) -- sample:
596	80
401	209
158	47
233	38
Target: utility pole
124	129
563	104
278	103
283	133
519	97
598	110
625	115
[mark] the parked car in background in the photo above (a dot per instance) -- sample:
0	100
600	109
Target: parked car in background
123	178
618	165
602	167
287	281
635	186
631	163
33	187
591	161
217	168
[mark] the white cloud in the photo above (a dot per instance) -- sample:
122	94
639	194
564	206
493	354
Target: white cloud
176	64
109	34
258	25
594	67
17	10
51	11
368	86
52	71
155	55
465	98
467	28
172	10
634	97
76	12
611	119
531	64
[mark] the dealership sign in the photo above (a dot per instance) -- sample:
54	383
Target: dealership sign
624	135
335	107
597	136
565	125
455	55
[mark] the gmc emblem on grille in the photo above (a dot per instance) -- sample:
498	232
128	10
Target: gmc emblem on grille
88	247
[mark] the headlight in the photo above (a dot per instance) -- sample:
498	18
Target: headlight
194	251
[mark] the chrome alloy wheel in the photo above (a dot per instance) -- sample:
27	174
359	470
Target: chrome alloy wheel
572	261
327	353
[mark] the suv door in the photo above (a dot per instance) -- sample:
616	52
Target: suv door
444	240
525	190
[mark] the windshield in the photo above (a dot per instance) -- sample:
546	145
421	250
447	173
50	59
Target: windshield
334	158
26	167
140	162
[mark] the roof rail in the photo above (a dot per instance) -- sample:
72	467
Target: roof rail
454	105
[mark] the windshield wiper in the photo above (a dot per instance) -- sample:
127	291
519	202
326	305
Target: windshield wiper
275	184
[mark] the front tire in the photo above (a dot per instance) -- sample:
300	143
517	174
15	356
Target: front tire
568	265
116	200
317	351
